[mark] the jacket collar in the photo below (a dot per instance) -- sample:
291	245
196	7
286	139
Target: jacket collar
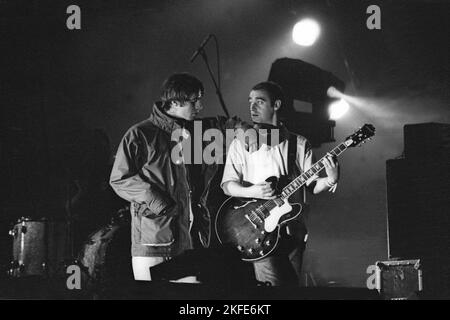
165	122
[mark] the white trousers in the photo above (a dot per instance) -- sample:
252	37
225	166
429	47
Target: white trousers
141	269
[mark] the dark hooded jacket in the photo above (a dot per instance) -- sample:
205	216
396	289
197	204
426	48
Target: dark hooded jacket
160	190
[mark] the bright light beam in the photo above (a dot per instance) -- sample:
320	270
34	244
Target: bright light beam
306	32
338	108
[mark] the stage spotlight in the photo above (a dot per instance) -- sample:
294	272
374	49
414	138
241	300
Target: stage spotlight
338	108
332	92
306	32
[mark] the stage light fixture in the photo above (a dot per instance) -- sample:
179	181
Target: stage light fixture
332	92
306	32
306	84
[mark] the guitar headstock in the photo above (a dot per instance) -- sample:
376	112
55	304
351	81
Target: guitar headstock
360	136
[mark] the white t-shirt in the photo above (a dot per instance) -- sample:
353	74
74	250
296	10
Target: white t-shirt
255	167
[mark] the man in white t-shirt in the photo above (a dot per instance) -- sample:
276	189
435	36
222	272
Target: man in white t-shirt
248	165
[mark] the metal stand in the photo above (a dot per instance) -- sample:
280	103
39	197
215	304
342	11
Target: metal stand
219	94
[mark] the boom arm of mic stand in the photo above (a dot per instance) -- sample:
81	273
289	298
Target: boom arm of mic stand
219	94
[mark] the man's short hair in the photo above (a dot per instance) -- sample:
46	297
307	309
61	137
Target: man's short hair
180	87
273	90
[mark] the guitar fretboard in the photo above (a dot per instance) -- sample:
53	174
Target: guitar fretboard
298	182
358	137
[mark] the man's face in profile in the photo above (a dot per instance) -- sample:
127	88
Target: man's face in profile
261	108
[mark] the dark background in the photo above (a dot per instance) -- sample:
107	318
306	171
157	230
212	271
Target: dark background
58	85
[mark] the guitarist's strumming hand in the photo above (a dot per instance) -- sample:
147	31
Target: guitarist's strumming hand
262	190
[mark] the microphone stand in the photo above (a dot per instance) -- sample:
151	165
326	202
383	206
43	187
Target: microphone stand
219	94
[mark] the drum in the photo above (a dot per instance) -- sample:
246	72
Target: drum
39	247
106	256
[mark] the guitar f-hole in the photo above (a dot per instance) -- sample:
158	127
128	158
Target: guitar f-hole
246	203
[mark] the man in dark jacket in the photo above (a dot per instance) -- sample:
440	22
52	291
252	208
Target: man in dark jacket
170	200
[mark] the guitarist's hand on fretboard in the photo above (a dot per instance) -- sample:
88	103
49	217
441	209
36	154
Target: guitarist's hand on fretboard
331	168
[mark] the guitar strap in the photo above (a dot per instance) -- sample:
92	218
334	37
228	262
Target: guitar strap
296	227
292	156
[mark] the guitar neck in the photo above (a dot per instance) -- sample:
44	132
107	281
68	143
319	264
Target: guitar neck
298	182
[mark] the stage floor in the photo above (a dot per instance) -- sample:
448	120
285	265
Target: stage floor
54	289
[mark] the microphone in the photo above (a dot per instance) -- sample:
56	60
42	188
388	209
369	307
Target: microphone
197	52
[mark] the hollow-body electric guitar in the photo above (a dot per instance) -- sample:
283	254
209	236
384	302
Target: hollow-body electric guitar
253	225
